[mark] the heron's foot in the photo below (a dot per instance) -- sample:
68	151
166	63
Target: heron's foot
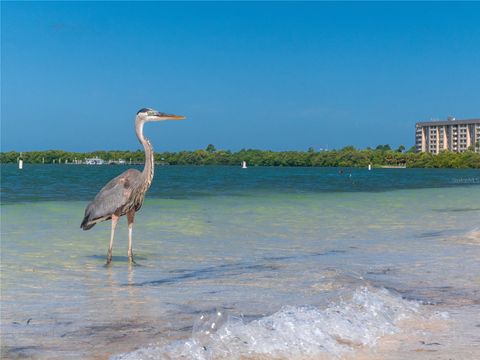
130	259
109	259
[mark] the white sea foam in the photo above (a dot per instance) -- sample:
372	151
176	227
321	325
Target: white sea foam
293	332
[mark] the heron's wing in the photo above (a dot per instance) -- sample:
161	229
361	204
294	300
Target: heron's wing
113	196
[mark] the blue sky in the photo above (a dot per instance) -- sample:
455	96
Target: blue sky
281	76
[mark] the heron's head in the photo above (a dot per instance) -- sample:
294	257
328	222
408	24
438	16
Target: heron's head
147	114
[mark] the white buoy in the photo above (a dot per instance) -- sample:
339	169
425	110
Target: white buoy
369	166
244	164
20	164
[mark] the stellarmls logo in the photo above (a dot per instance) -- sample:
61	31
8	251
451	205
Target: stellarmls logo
471	180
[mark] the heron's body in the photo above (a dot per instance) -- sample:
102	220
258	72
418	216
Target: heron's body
118	197
124	194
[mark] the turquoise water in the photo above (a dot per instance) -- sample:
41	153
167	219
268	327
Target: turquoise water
286	262
81	182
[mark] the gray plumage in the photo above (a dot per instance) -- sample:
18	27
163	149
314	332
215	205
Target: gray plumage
115	198
124	194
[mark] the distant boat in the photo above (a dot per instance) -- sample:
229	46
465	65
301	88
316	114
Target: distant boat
369	166
244	164
94	161
117	162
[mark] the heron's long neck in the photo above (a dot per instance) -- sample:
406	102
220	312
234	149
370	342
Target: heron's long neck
148	169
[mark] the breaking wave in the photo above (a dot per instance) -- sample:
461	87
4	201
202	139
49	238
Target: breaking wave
293	332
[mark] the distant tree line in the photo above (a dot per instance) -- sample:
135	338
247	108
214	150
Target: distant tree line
348	156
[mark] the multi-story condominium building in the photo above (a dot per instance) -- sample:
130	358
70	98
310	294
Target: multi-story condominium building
452	134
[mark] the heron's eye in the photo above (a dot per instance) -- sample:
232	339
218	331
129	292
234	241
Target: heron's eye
150	113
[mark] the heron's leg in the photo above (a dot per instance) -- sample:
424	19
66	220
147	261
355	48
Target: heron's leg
110	247
131	218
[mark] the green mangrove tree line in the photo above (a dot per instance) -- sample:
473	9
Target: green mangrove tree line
349	156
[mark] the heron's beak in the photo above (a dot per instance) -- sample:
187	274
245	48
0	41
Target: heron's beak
176	117
162	116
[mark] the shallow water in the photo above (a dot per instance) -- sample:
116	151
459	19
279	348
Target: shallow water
300	263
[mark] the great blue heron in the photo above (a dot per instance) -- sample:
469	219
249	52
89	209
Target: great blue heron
124	194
